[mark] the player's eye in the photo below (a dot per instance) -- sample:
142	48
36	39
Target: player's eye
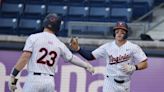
122	32
117	31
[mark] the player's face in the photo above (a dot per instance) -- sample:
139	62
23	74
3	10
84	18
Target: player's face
120	34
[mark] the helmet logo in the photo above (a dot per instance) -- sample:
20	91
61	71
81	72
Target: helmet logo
52	19
120	24
52	22
49	26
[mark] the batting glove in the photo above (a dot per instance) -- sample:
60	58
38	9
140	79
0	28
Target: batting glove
12	84
128	68
90	68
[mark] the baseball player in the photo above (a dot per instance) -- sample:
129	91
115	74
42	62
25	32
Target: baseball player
122	59
41	53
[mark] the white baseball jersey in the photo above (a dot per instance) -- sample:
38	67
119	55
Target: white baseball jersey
46	49
115	56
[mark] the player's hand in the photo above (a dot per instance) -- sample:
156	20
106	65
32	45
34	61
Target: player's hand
127	68
12	84
74	44
90	68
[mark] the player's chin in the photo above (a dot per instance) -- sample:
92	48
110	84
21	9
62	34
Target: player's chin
119	38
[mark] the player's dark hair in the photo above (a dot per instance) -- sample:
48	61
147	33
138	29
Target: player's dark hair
52	21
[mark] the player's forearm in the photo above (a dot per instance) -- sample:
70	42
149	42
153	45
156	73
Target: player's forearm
18	67
86	54
22	61
20	64
142	65
77	61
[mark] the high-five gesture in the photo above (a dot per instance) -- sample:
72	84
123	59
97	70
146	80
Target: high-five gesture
90	68
74	44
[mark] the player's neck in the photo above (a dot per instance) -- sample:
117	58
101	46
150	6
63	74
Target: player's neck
120	43
47	30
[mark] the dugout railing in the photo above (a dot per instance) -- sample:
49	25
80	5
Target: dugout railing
152	48
103	29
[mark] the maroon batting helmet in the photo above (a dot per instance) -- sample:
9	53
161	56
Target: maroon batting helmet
121	25
52	21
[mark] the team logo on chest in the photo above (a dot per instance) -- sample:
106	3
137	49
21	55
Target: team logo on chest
119	59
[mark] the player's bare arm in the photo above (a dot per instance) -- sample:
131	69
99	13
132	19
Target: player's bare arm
22	61
142	65
77	61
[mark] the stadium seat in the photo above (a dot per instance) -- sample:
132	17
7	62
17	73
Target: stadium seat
28	26
14	1
96	1
8	25
77	1
145	6
100	14
157	2
61	10
121	14
34	10
139	9
57	1
120	3
149	2
11	10
78	13
36	1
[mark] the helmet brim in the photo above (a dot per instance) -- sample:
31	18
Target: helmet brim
115	28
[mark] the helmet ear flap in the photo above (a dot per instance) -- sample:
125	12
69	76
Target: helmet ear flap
114	34
126	36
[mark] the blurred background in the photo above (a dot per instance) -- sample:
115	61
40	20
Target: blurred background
92	22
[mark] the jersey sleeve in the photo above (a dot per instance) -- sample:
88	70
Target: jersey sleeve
66	53
99	52
138	54
28	44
